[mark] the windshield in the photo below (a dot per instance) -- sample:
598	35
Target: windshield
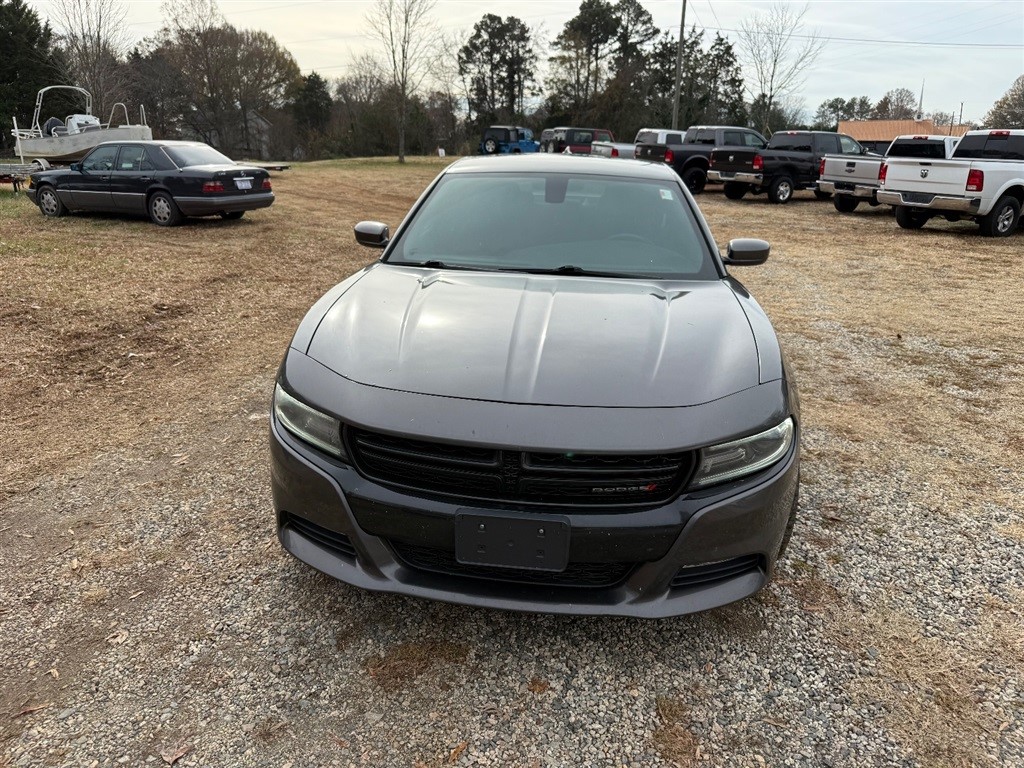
196	154
557	223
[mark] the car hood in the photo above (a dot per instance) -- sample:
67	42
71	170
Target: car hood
540	340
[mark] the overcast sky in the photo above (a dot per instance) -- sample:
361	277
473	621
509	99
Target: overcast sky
966	51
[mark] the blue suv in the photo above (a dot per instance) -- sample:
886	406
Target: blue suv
508	139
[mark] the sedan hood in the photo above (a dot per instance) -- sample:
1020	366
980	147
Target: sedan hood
539	339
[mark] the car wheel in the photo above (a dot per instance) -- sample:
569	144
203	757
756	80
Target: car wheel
163	211
780	191
1002	220
822	195
232	215
845	203
49	203
908	218
695	179
735	190
490	147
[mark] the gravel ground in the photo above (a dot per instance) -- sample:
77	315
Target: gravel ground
151	618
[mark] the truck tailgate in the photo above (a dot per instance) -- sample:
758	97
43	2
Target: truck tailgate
733	160
931	177
654	152
851	170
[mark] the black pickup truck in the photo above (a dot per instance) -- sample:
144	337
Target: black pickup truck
791	161
690	158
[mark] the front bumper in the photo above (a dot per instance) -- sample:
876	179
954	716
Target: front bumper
846	188
31	192
208	206
742	177
334	519
932	202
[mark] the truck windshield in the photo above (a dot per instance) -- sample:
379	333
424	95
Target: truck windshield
557	223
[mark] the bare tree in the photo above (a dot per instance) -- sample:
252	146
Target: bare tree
778	53
404	29
95	42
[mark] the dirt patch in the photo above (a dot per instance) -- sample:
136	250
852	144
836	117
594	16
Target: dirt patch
673	738
402	664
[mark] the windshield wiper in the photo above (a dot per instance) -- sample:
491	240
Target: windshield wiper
438	264
570	269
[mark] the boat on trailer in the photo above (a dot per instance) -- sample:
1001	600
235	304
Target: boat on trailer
64	141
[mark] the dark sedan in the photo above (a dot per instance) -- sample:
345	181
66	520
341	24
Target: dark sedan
168	180
547	395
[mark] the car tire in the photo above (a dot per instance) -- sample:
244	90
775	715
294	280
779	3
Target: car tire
735	190
695	179
490	147
780	191
232	215
163	211
1003	219
49	203
822	195
845	203
908	218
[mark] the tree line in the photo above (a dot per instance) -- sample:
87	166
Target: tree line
421	88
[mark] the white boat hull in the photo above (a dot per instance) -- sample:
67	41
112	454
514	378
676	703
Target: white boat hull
76	146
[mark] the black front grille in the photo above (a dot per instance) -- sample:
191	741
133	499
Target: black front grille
705	575
338	543
575	574
520	476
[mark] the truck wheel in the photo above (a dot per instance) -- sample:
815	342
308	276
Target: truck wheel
845	203
1002	220
822	195
695	179
780	191
908	218
735	190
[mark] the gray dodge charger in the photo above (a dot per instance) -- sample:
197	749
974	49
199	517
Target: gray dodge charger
548	394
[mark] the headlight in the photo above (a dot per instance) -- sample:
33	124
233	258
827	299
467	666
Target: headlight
308	424
728	461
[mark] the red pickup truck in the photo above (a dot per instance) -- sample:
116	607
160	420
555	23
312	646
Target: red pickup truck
577	140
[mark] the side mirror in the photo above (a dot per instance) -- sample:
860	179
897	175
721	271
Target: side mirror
372	234
746	252
76	166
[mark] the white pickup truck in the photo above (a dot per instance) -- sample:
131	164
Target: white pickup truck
853	179
984	181
643	136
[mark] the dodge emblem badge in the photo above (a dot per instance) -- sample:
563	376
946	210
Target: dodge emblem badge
924	173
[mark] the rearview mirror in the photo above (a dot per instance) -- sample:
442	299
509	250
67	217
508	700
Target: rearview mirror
372	234
76	166
746	252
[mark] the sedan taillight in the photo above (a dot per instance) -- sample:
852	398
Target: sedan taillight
212	186
975	180
266	185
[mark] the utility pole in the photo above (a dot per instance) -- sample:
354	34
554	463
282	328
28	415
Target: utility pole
679	69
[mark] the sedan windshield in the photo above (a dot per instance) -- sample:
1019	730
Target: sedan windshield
196	154
557	223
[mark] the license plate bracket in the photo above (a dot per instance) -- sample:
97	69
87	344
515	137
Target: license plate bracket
530	542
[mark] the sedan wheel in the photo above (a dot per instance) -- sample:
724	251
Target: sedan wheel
49	203
163	211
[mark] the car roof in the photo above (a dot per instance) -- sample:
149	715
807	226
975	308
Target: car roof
560	163
157	143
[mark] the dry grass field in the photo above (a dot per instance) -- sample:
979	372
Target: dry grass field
138	564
